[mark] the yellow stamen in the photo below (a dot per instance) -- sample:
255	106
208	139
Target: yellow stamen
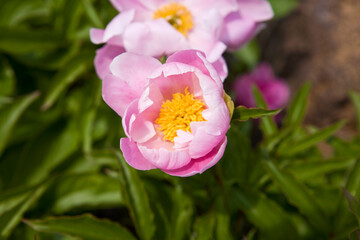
177	15
178	113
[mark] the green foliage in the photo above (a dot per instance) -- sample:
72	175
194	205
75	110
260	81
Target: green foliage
85	227
63	177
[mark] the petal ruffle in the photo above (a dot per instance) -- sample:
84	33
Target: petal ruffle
133	156
201	164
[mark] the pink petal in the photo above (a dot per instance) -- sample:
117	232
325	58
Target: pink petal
117	93
201	164
123	5
134	70
133	156
118	24
221	68
223	6
211	133
257	10
97	35
237	30
165	159
129	116
103	58
153	38
196	59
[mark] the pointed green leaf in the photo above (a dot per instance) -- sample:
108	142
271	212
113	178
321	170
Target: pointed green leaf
311	140
308	170
137	200
10	114
355	235
181	215
267	124
355	97
21	41
11	218
84	226
61	140
354	205
223	222
69	74
268	216
204	227
242	113
297	109
352	186
298	194
7	80
92	14
85	191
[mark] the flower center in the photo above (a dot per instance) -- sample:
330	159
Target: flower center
178	113
177	15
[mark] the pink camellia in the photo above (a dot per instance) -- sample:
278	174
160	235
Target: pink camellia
162	27
275	91
173	114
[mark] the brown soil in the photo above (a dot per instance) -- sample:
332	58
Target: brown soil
319	42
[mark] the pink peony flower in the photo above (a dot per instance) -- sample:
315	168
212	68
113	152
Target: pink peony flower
242	25
274	90
174	114
162	27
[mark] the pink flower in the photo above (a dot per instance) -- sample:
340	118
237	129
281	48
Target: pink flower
242	25
162	27
274	90
174	114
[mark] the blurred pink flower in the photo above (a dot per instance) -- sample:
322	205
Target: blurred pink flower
174	114
242	25
274	90
162	27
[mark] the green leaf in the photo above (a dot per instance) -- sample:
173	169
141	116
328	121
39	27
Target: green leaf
354	204
249	54
88	191
298	194
10	219
308	170
137	200
223	222
84	227
7	79
14	12
353	181
297	109
272	221
10	114
92	14
302	144
72	16
181	215
267	124
283	7
21	41
355	235
12	198
352	186
355	97
242	113
204	227
71	72
61	140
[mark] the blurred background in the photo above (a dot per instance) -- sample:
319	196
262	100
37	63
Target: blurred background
62	175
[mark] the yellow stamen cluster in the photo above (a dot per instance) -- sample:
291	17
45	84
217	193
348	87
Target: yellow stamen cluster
178	113
177	15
